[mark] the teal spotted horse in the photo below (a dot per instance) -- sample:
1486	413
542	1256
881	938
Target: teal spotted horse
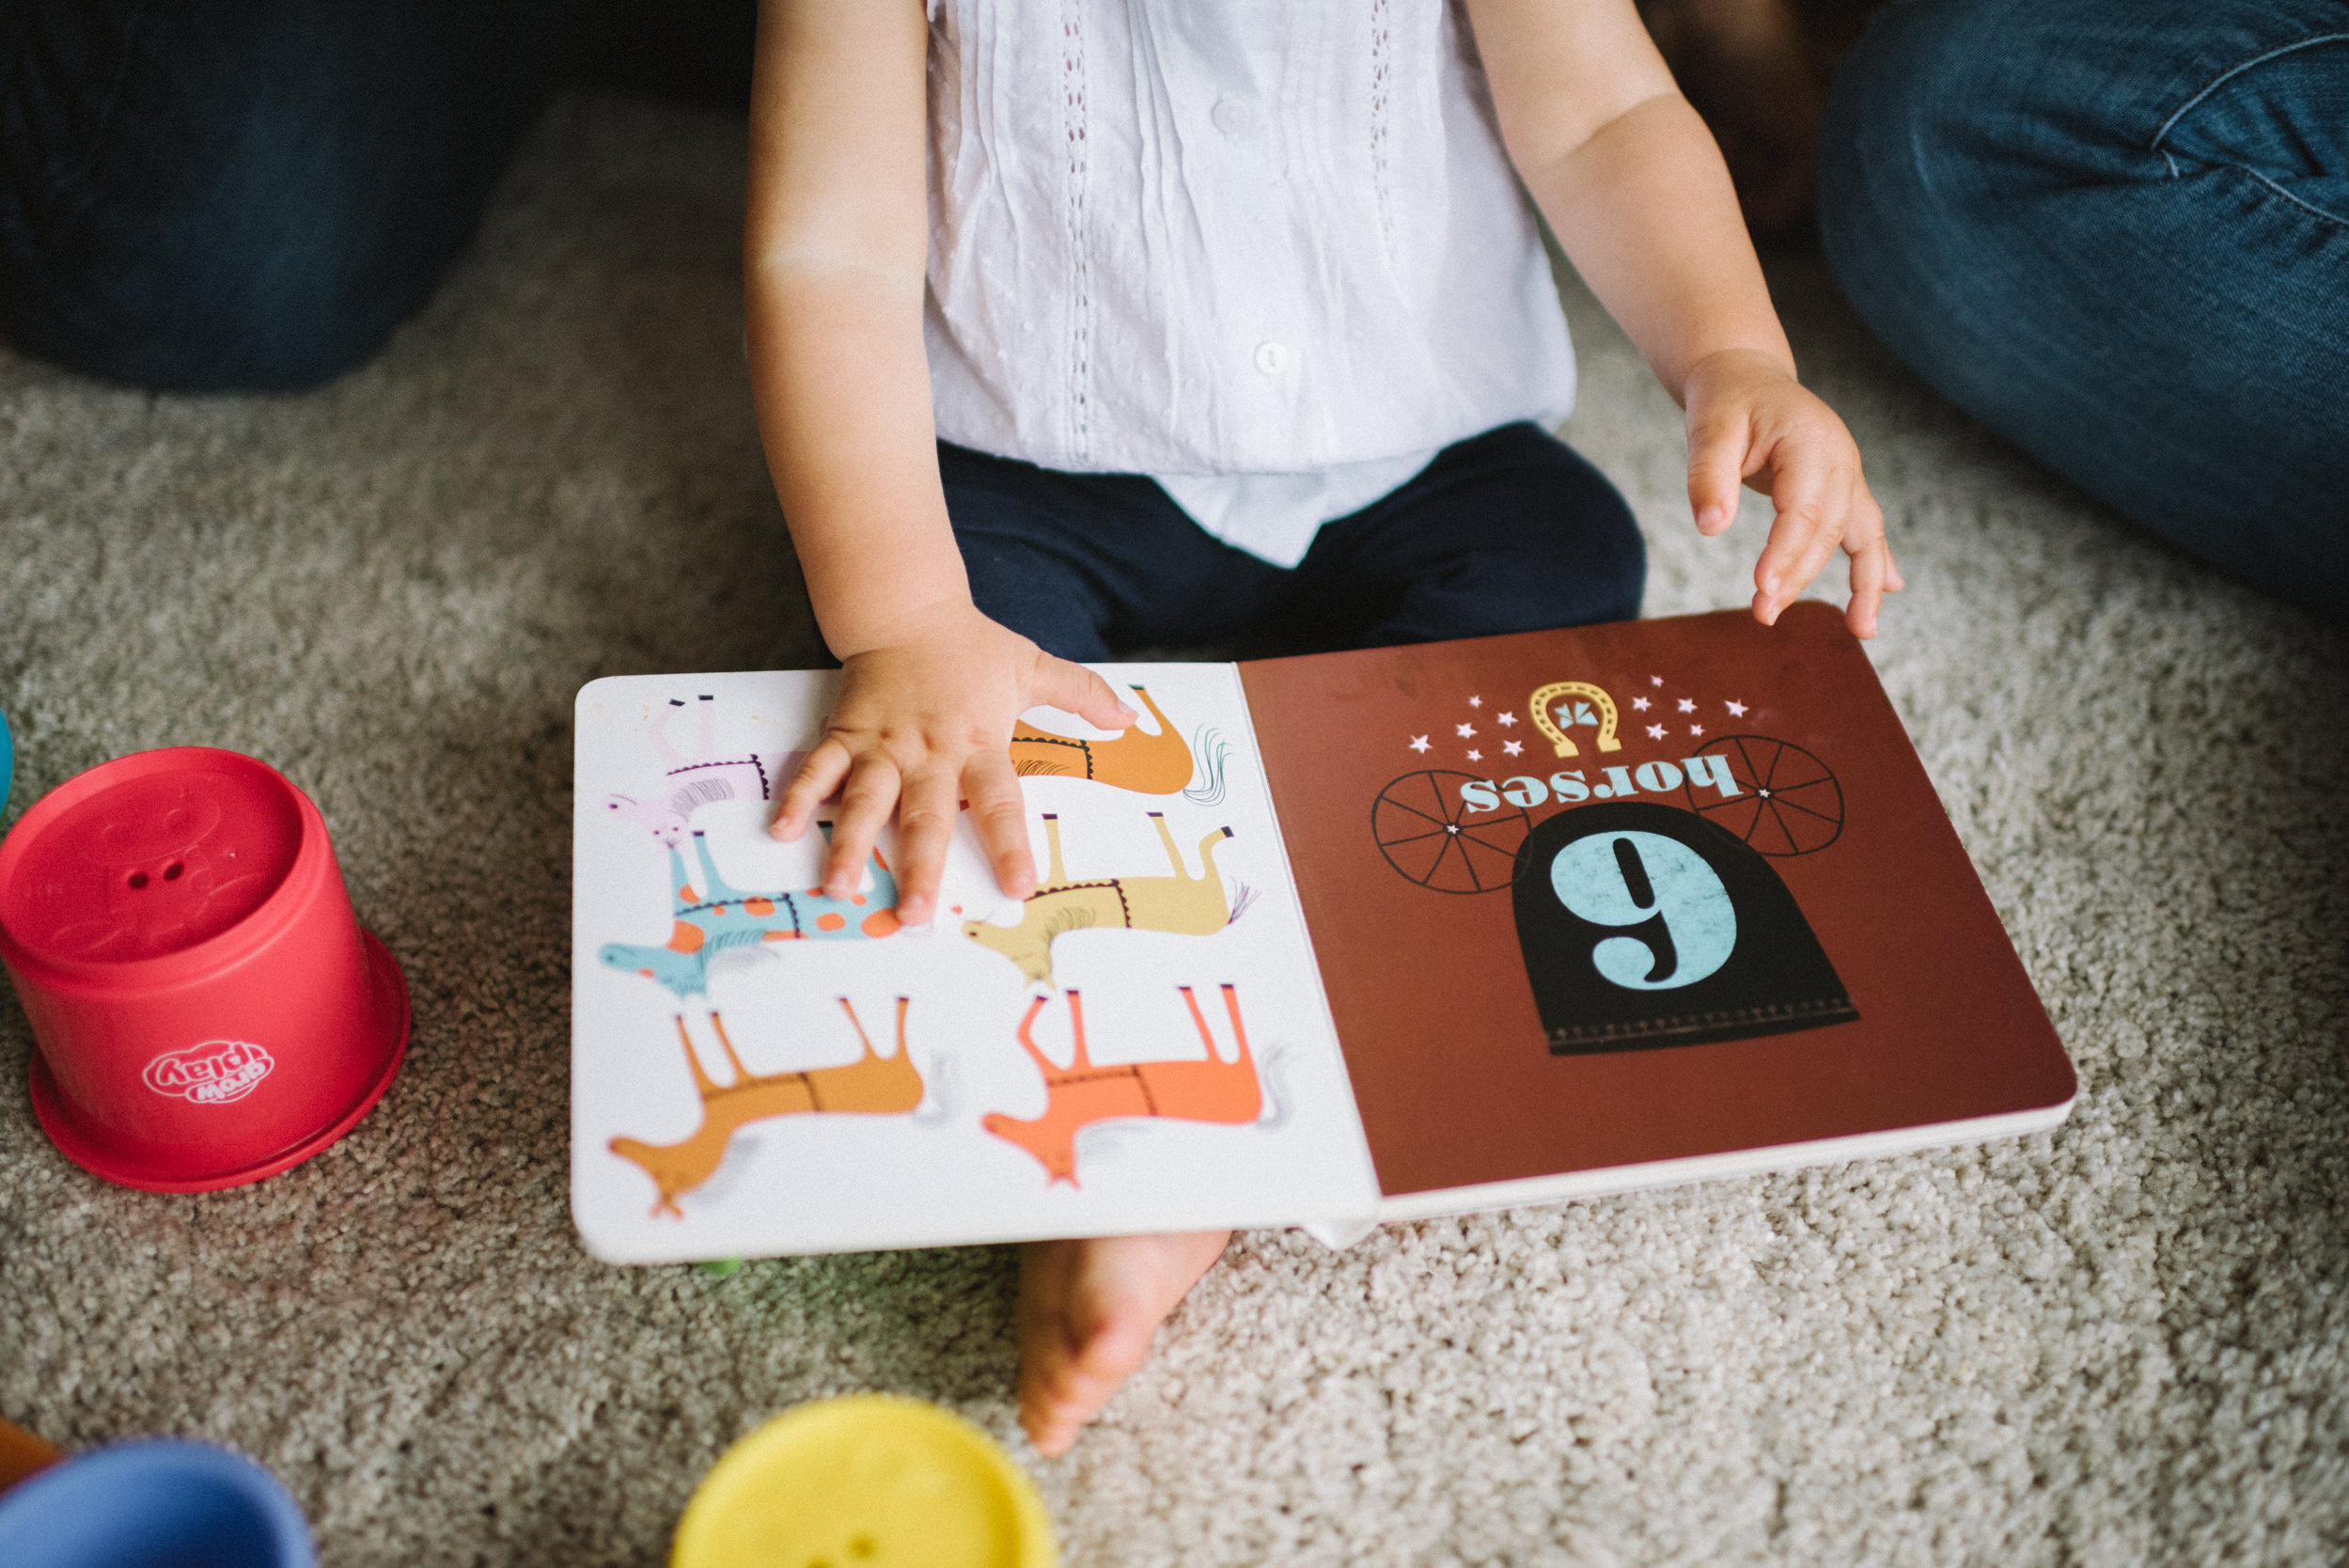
718	918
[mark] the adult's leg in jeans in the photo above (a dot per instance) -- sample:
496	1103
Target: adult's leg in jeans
2118	231
248	194
1508	531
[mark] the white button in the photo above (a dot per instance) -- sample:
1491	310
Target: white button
1233	115
1269	358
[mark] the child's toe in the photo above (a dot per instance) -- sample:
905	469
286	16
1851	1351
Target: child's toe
1087	1312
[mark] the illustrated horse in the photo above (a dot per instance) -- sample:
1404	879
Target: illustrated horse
1193	905
1080	1095
718	918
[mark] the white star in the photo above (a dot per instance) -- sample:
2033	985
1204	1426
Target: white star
1737	710
1475	756
1418	742
1512	748
1464	730
1656	679
1640	703
1505	718
1686	706
1476	702
1655	732
1696	728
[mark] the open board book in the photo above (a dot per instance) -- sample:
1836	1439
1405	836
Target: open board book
1320	941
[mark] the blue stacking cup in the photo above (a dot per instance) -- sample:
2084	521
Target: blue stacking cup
155	1503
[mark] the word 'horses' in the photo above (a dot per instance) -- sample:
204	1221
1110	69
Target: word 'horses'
1187	904
873	1085
1214	1090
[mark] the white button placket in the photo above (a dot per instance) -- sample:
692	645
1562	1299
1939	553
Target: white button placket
1272	357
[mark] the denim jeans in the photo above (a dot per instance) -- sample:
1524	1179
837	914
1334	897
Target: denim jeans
1508	531
2118	232
252	194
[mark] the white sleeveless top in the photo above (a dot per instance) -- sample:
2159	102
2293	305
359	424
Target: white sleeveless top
1269	252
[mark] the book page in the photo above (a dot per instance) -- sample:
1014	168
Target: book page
1617	906
759	1069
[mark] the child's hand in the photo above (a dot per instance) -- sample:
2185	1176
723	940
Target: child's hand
1749	419
922	722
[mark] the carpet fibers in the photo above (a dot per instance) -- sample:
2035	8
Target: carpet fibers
2124	1342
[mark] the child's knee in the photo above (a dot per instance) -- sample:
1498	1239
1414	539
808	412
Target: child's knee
1585	563
1611	561
1581	557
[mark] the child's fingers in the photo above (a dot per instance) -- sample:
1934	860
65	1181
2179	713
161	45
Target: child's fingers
925	823
993	787
1799	492
1869	563
1716	468
1832	528
817	777
1872	572
1073	689
866	802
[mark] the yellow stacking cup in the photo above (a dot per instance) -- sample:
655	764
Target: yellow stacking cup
866	1480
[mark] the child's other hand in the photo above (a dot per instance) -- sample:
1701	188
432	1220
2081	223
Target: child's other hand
923	722
1750	420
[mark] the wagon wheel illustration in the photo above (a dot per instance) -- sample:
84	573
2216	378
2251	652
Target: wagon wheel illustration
1428	834
1788	802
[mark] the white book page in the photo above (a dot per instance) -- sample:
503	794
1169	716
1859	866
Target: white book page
801	1122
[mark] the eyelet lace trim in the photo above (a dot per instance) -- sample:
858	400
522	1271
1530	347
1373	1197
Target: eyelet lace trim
1080	325
1382	93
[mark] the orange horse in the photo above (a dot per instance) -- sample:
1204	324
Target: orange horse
1214	1090
873	1085
1131	760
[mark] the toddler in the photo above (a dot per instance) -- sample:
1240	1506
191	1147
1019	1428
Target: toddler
1084	323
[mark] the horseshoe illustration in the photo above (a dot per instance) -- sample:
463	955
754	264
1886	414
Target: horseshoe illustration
1538	710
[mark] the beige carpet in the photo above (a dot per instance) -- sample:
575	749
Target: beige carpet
2126	1343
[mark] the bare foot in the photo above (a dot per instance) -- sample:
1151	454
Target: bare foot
1087	1312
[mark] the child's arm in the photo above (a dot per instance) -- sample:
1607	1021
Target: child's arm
834	254
1635	189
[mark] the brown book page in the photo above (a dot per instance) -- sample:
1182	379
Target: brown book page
1735	918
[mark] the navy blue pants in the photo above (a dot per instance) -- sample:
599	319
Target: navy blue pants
1508	531
2118	231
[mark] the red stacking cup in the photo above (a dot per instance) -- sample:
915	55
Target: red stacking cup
205	1011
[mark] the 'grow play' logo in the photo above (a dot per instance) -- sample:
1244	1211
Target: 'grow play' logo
212	1074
